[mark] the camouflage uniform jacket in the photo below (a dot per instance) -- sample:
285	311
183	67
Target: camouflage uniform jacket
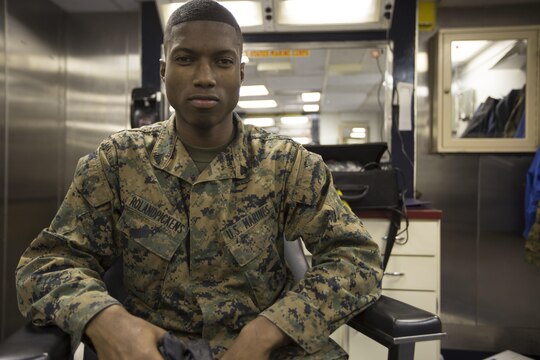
203	253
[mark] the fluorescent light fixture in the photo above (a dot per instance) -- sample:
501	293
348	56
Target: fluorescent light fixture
260	122
257	104
466	49
302	140
422	91
294	120
311	96
247	13
274	66
344	69
422	63
253	90
311	108
358	135
324	12
359	130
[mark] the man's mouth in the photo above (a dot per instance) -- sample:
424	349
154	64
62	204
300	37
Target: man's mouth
203	101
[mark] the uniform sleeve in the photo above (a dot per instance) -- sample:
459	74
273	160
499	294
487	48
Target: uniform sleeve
59	276
346	271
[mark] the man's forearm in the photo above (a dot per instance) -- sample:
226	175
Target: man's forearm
257	340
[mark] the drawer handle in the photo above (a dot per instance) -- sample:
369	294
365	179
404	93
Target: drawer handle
395	273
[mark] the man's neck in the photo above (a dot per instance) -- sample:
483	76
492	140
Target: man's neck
212	137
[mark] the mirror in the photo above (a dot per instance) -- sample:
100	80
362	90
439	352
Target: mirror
318	93
487	91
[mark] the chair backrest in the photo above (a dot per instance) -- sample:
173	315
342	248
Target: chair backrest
296	259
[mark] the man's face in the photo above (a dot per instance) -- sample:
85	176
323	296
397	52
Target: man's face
203	72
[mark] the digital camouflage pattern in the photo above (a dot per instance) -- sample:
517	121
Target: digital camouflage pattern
203	253
532	245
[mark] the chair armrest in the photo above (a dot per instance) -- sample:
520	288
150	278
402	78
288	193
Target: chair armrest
36	343
390	322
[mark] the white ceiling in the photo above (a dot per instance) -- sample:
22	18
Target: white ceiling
133	5
347	75
341	92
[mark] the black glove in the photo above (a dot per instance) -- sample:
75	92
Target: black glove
172	348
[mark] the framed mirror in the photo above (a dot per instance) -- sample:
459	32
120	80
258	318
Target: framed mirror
487	90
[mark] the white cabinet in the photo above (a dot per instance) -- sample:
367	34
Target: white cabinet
412	276
478	69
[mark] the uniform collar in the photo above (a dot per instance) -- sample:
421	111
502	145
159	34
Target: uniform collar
170	155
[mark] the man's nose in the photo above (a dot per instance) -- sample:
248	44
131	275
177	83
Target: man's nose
204	75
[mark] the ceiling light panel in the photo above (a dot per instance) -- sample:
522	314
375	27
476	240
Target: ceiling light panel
299	15
324	12
311	108
261	122
294	120
257	104
274	66
253	90
311	96
249	14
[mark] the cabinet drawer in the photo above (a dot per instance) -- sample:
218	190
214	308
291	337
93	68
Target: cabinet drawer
423	236
411	273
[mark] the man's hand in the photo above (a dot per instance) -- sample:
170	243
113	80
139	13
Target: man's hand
256	341
116	334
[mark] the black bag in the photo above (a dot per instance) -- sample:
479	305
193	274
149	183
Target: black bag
375	188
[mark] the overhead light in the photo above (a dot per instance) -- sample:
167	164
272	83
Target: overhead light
358	135
344	69
257	104
311	96
324	12
422	91
253	90
260	122
274	66
246	13
245	59
294	120
359	130
422	63
302	140
311	108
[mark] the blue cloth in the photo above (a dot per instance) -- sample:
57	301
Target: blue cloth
532	192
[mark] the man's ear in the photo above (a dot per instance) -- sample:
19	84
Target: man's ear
242	72
162	68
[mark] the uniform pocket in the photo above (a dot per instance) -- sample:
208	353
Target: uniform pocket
148	252
253	242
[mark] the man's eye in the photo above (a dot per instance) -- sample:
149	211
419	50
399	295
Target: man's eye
225	62
183	59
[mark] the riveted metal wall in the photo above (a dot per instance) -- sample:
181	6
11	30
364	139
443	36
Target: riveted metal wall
65	83
489	293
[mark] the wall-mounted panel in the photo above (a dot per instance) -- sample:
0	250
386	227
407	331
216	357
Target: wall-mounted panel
34	132
103	65
3	149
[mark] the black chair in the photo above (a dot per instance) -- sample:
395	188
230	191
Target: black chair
394	324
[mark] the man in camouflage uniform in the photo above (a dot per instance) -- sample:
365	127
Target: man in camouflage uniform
198	208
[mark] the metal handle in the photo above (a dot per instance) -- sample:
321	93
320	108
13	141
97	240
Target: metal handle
395	273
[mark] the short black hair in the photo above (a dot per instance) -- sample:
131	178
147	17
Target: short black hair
201	10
